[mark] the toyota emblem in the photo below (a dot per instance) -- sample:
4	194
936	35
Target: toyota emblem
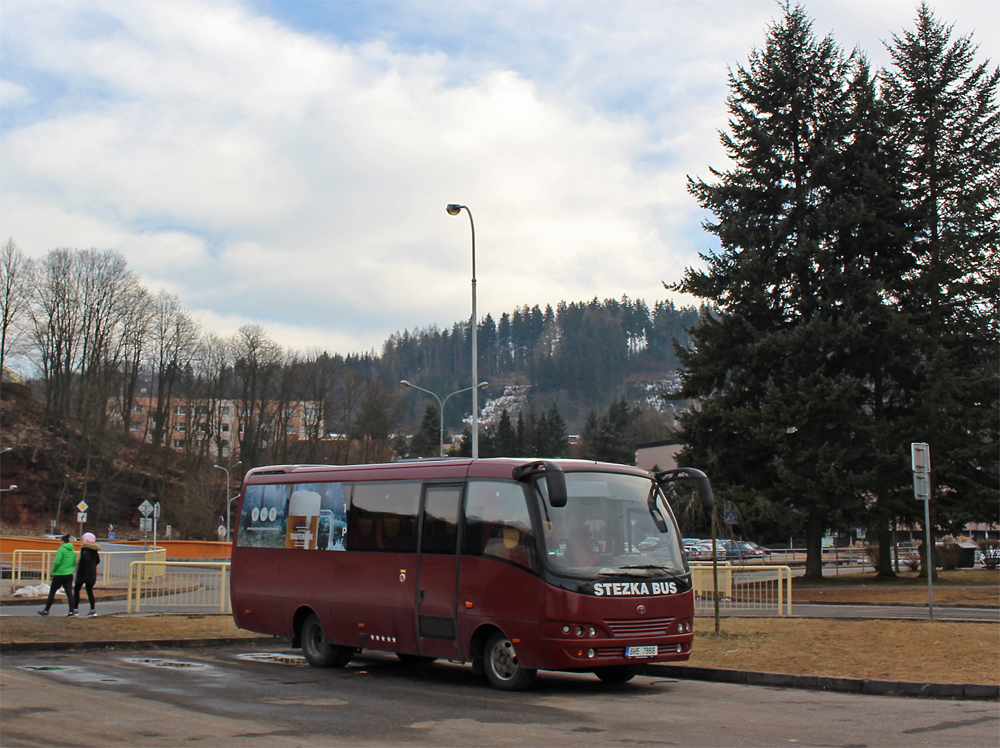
641	609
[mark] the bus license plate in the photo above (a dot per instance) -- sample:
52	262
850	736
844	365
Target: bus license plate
640	651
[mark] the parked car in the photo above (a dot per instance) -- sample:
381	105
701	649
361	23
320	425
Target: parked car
691	548
726	550
752	550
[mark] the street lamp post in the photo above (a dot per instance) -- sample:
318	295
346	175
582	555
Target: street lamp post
454	209
229	501
482	385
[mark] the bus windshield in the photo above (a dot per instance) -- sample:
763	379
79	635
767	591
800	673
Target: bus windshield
612	525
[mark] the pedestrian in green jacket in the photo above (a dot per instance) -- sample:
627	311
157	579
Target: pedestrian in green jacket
62	576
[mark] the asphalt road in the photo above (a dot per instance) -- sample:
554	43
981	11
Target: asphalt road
213	697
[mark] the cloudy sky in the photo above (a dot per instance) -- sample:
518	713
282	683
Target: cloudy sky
288	163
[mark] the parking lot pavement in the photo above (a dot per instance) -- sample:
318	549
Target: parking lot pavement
223	697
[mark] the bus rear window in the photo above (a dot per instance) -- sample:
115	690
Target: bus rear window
383	517
304	516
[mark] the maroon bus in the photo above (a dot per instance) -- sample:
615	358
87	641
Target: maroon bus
511	565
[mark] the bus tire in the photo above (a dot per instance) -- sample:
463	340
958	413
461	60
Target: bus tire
317	650
501	666
412	659
617	674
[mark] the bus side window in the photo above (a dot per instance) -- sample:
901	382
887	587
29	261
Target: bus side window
497	523
383	516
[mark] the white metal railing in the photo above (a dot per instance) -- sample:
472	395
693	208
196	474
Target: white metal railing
186	584
35	567
743	588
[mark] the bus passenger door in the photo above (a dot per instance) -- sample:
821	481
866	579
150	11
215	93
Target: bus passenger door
437	571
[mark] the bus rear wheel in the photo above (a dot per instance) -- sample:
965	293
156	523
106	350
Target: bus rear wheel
317	650
617	674
501	666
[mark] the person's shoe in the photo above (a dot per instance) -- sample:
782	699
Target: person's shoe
71	614
43	612
92	614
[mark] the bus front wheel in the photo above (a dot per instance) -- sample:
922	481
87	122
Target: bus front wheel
617	674
317	650
501	666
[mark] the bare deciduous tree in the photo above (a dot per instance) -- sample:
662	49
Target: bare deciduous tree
16	272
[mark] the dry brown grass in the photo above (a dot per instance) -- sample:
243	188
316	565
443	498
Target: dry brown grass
922	651
110	629
961	587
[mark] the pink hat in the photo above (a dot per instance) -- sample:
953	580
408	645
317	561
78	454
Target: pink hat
88	537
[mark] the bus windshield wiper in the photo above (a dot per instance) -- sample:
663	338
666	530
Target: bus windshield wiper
673	571
645	570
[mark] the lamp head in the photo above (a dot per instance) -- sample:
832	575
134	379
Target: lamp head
405	383
482	385
454	209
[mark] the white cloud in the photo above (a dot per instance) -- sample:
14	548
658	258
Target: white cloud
13	95
285	178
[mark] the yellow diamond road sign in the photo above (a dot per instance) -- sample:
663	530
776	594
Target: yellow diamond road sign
82	506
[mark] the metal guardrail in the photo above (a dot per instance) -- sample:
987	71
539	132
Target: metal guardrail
187	584
743	587
35	567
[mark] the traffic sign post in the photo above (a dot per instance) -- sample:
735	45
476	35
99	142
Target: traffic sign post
145	524
81	515
920	455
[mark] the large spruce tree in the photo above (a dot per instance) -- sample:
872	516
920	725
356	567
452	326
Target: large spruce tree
780	400
945	121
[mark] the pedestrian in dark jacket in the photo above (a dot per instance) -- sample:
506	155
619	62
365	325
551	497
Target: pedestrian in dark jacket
62	576
86	572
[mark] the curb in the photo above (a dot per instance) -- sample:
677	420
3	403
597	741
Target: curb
829	683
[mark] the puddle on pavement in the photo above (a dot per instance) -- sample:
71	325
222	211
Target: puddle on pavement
275	658
301	701
78	674
160	662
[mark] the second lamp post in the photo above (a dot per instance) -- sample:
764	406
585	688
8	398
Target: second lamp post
482	385
454	209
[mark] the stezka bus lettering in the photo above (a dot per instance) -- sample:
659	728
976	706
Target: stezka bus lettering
499	562
635	588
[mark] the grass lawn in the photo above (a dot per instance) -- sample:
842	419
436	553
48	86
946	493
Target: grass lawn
958	587
921	651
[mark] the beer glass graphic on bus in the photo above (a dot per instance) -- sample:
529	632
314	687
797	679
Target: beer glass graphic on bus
304	512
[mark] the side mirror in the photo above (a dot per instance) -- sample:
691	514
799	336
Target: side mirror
700	479
555	479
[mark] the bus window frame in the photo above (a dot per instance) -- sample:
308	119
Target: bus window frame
534	519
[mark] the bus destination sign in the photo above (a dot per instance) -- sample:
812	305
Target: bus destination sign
622	589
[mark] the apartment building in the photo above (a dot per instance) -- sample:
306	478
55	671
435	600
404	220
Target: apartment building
191	425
